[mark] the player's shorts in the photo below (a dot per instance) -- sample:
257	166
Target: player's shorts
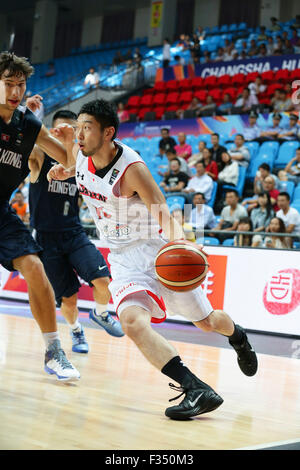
67	255
15	238
132	271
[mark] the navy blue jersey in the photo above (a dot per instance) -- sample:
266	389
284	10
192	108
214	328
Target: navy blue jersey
16	143
53	206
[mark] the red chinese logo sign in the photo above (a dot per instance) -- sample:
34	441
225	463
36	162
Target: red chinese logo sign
282	292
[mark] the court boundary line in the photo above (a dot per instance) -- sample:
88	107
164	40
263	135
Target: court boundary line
270	444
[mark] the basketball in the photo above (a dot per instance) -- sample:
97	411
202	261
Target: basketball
181	265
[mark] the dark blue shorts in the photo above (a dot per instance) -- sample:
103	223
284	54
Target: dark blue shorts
15	238
67	255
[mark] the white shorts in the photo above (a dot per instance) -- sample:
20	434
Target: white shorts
132	271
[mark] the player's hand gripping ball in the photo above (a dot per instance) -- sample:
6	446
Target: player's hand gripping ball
181	265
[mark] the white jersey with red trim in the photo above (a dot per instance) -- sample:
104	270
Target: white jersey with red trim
121	221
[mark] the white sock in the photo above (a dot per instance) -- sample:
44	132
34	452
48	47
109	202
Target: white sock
49	338
75	326
101	310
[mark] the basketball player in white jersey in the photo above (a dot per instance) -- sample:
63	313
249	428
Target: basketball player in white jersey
130	212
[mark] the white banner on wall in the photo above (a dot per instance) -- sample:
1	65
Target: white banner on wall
259	289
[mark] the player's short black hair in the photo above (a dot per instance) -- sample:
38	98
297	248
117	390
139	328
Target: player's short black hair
284	193
64	114
16	66
104	112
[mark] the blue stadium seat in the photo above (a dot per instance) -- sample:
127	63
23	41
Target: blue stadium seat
286	153
205	138
212	200
174	200
296	205
296	245
269	146
210	241
288	187
296	196
228	242
253	148
253	167
241	181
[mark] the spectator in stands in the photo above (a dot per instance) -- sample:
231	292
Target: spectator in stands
211	167
217	149
240	153
246	101
229	173
202	216
269	186
264	170
195	48
262	214
178	215
179	60
273	241
51	70
262	34
275	26
288	214
20	206
200	33
171	154
194	105
176	180
243	55
232	213
257	86
230	53
92	78
84	213
243	239
252	132
275	102
292	169
167	142
183	149
253	48
137	56
289	90
278	49
201	182
285	103
272	132
208	108
197	156
226	106
270	46
118	59
166	53
297	47
295	37
262	51
123	115
288	47
290	132
220	55
207	57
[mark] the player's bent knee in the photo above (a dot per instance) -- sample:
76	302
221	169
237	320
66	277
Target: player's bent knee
31	268
133	323
208	324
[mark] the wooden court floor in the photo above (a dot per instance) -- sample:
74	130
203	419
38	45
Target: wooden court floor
120	400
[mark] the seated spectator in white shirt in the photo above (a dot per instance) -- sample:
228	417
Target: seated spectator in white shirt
92	78
290	132
201	182
202	216
197	156
229	173
288	214
283	103
240	153
273	241
270	46
292	169
220	56
230	53
257	86
232	213
246	101
263	171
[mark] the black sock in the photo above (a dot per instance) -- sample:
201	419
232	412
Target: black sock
238	335
176	370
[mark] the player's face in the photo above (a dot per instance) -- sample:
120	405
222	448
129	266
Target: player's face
12	89
89	135
59	121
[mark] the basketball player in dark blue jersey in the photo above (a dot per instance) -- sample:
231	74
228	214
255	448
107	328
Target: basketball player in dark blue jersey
67	251
19	131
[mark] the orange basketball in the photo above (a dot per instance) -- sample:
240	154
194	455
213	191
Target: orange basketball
181	265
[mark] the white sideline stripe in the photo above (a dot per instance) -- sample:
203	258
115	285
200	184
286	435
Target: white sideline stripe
14	307
270	444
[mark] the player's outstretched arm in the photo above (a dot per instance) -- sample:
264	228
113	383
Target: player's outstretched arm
58	145
58	172
35	163
138	179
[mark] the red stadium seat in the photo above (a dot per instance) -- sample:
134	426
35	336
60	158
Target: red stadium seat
216	94
201	95
185	84
282	76
160	87
172	107
186	97
143	111
160	111
238	79
251	77
146	100
295	74
231	91
172	85
172	98
197	83
149	91
159	99
133	102
210	82
224	81
268	77
271	88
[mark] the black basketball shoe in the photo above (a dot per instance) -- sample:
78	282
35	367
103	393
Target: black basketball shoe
246	356
199	398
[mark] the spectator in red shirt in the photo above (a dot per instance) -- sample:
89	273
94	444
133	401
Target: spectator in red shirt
183	149
123	115
269	187
211	167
